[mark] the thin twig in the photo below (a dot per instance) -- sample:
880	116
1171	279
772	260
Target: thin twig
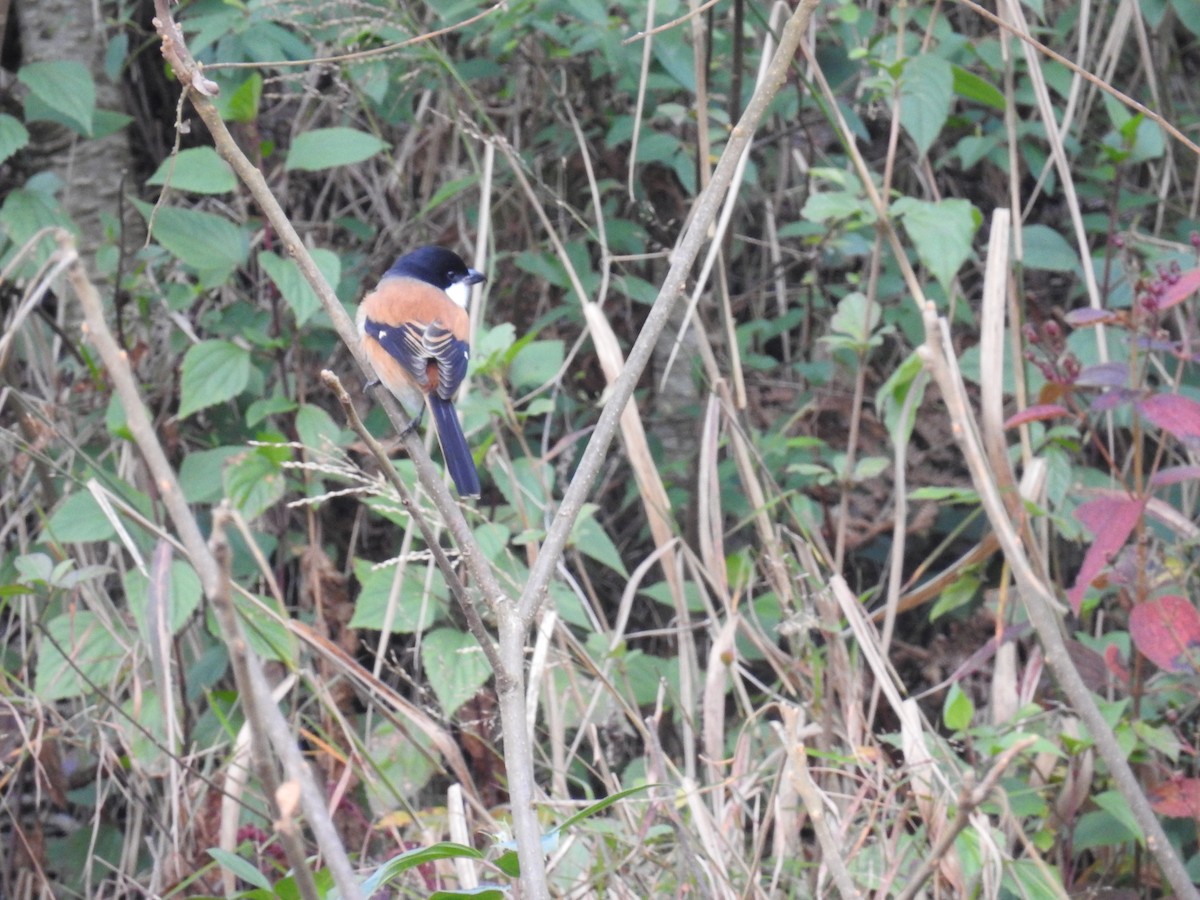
706	208
250	679
474	621
971	797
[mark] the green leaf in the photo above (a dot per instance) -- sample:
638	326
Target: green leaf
1118	807
591	540
96	654
601	805
294	287
958	709
213	372
200	474
317	430
183	599
326	148
78	519
536	364
413	610
265	633
960	592
199	170
1049	251
892	398
27	210
13	136
1189	14
415	857
243	869
825	206
209	244
855	323
404	761
245	100
255	482
970	86
941	232
448	191
66	91
455	666
926	91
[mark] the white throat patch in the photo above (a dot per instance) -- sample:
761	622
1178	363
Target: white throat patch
460	293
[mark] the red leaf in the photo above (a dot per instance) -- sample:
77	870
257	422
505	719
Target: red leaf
1086	315
1178	798
1110	374
1037	414
1111	399
1166	630
1172	413
1111	520
1116	665
1180	290
1174	475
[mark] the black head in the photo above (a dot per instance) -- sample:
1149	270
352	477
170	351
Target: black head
434	265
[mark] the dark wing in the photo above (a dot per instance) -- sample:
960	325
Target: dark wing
406	344
450	354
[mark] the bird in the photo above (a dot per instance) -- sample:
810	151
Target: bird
415	331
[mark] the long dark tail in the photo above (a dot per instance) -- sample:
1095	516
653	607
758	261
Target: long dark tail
454	447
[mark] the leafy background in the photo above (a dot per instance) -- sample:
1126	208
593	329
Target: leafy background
789	423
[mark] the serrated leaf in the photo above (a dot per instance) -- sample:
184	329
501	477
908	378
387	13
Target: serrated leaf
254	483
1175	414
1166	630
941	232
455	666
79	518
293	286
198	169
64	87
95	656
327	148
413	610
213	372
926	91
207	243
13	136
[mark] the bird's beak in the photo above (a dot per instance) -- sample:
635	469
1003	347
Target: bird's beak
473	276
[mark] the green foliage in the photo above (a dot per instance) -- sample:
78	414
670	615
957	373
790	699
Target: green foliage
327	148
395	146
61	91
